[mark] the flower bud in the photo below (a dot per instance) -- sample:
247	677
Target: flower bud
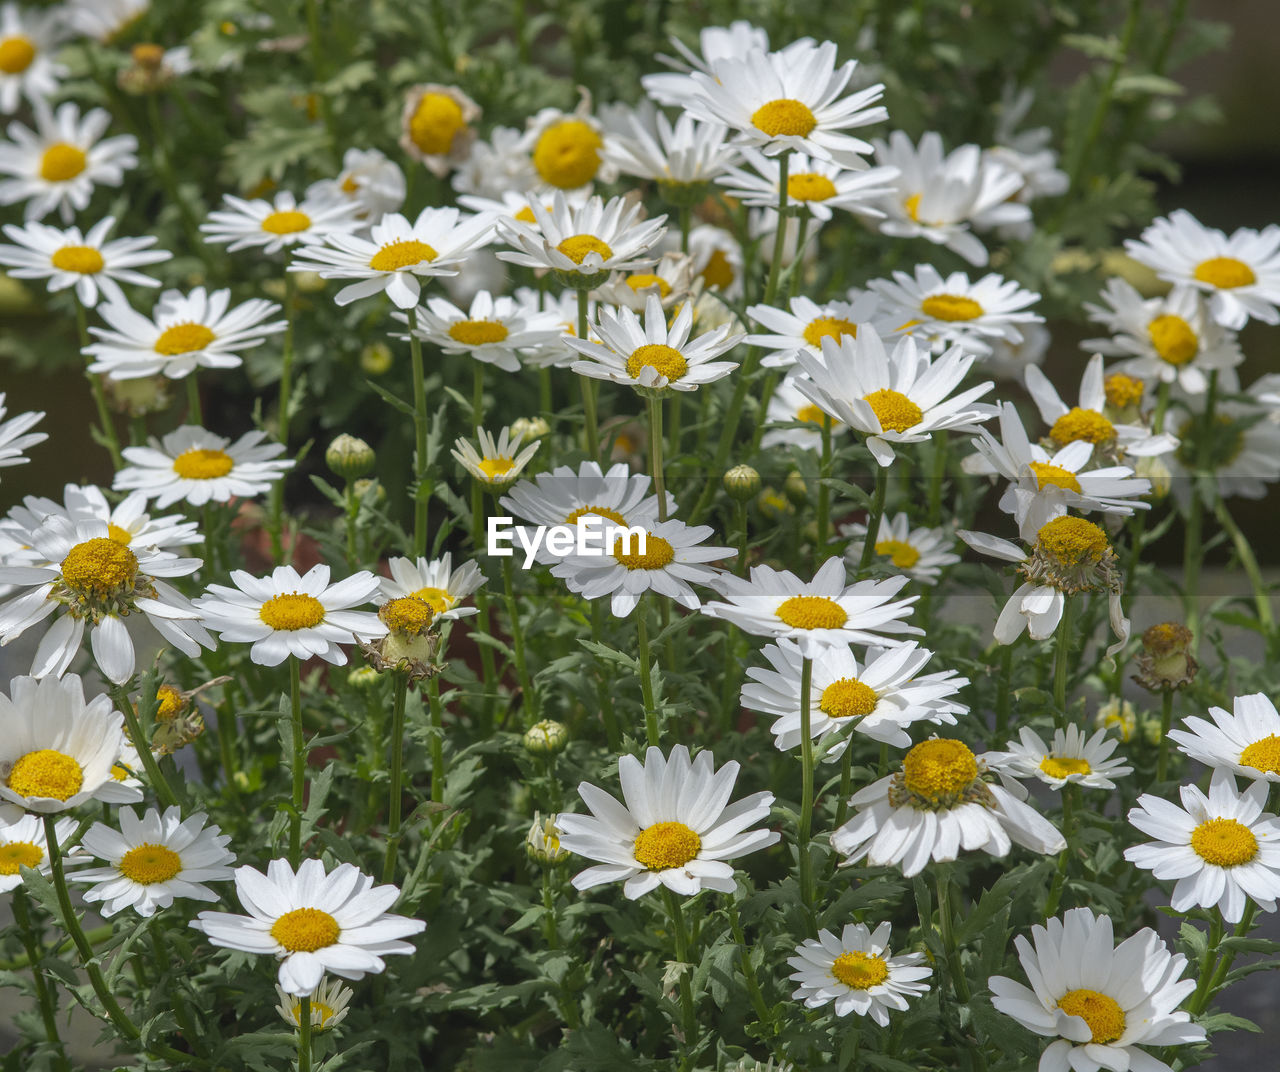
741	482
530	428
796	489
137	398
363	677
546	738
773	504
542	843
361	488
1151	731
349	457
375	359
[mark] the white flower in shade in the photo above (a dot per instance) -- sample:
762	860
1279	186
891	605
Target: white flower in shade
1222	849
921	553
15	437
369	182
735	41
495	331
857	971
717	260
276	224
1009	360
59	163
1245	739
818	613
938	195
1043	486
57	750
583	241
673	557
564	305
287	614
1072	758
497	166
1171	338
435	582
567	148
153	859
514	204
195	466
315	922
789	406
1239	273
878	698
679	158
676	827
23	844
127	523
789	101
1026	151
816	185
939	803
84	577
397	254
87	262
436	126
104	19
953	310
328	1005
185	332
672	279
1099	1001
28	41
653	355
1118	715
498	463
806	323
891	398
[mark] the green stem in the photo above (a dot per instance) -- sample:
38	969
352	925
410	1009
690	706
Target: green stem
686	218
298	768
168	178
654	406
45	998
681	937
646	673
143	744
604	694
590	430
780	235
1166	718
194	413
846	782
1162	407
873	519
806	788
1064	858
941	450
1208	961
1244	552
396	791
304	1029
1003	692
761	1007
740	566
353	511
1062	656
180	1009
276	510
824	495
477	393
946	927
95	386
420	438
517	642
1200	1000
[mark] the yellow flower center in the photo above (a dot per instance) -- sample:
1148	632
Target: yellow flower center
62	162
810	186
951	307
847	698
525	215
120	773
599	511
477	332
402	254
183	339
812	414
1071	540
438	599
665	845
408	614
784	118
1064	766
718	272
1103	1014
292	611
46	773
99	566
828	327
939	768
290	222
860	971
1123	391
18	854
568	154
1173	339
657	553
899	552
148	864
576	247
1224	842
121	536
1263	755
895	411
171	703
16	55
640	280
1226	273
83	259
435	123
1054	476
665	360
1086	424
349	185
304	930
812	612
201	464
912	205
147	56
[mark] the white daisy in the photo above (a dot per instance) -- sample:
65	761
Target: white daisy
328	1005
369	182
735	41
567	148
104	19
495	464
152	860
816	185
672	279
676	828
878	698
717	260
891	398
921	553
23	844
59	163
1009	360
494	331
287	614
436	126
497	166
28	41
939	803
857	972
1072	758
681	159
435	582
57	750
1222	849
185	332
1098	1000
788	406
195	466
315	922
806	324
277	224
1245	739
14	437
565	306
818	613
1240	273
397	254
1026	151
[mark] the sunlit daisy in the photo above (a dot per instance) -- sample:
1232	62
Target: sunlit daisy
674	828
805	324
788	406
1245	739
816	185
315	922
328	1005
435	582
672	279
1072	758
494	331
735	41
23	844
495	464
681	158
567	148
276	224
15	438
28	40
436	126
921	553
195	466
1099	1001
369	182
857	971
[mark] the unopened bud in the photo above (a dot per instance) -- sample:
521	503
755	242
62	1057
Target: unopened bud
741	482
546	738
363	677
530	428
361	488
375	359
349	457
796	489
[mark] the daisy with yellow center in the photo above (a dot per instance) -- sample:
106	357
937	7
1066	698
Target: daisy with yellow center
682	158
498	463
437	126
22	844
858	972
816	186
805	324
313	922
673	280
673	828
29	39
369	183
329	1005
1070	758
794	421
195	466
495	331
435	582
1245	739
276	224
921	553
567	148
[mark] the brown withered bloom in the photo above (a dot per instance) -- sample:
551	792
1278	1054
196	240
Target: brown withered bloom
1166	662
